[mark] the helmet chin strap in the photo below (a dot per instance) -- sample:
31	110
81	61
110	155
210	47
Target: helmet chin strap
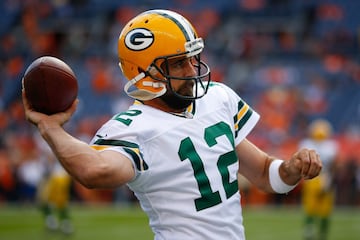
142	94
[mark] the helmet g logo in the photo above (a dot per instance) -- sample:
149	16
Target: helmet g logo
139	39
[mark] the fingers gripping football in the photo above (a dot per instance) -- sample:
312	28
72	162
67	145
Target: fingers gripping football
305	163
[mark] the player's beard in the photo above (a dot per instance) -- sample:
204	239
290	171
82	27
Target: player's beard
176	102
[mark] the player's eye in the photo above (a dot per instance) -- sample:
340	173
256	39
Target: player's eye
178	63
181	62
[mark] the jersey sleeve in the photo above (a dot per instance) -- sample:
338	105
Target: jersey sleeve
107	138
244	117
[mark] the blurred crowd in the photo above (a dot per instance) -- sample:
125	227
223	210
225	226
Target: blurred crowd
293	60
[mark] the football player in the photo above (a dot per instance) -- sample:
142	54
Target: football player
182	144
54	192
318	195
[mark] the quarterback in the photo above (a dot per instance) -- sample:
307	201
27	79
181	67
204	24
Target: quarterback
183	143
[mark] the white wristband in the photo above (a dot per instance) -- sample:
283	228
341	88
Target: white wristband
277	184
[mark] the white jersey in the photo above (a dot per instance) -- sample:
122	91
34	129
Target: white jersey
327	150
186	167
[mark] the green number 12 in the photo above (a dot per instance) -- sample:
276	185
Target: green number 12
187	151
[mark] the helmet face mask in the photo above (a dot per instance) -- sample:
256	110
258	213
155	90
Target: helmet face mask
200	81
147	44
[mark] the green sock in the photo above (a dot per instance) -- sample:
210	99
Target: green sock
64	213
324	228
309	228
45	209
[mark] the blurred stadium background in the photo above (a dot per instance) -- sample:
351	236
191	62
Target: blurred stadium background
292	60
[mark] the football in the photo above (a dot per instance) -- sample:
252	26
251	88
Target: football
50	85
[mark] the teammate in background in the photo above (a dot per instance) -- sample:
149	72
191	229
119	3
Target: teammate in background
318	194
182	144
54	193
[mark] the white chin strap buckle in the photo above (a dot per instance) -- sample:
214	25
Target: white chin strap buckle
153	84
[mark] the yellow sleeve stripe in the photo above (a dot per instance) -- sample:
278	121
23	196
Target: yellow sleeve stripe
99	148
242	116
242	111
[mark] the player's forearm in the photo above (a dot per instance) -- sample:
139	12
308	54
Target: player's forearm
79	160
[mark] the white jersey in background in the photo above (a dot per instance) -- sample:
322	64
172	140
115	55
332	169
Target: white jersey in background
327	150
186	165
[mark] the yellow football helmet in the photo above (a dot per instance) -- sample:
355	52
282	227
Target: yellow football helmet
146	44
320	129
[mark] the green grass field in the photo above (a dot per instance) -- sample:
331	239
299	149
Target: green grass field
110	223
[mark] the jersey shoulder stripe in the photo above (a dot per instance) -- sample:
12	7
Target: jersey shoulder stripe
131	148
110	142
242	116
